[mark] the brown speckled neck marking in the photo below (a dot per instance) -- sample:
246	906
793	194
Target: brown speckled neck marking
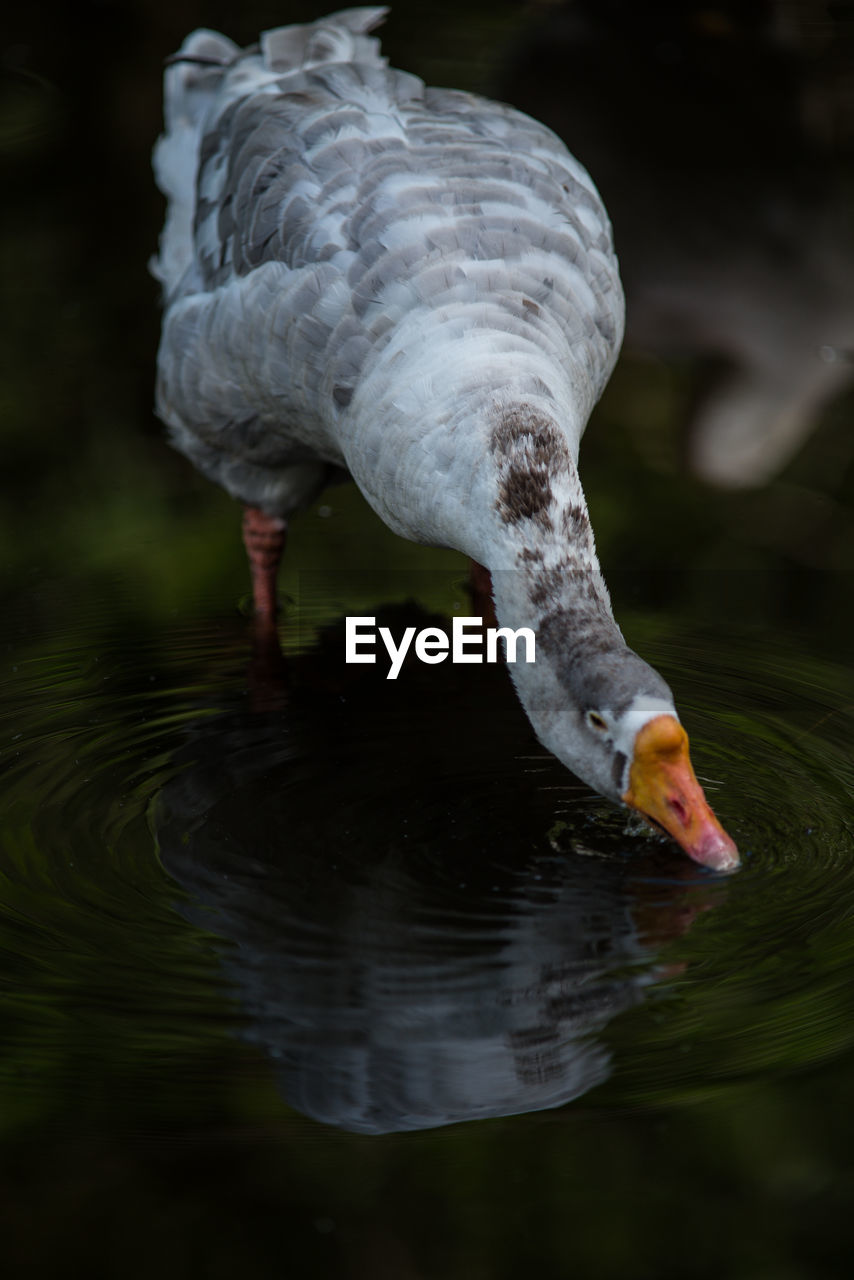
530	452
546	587
590	656
540	496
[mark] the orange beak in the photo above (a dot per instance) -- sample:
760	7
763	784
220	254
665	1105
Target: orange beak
662	787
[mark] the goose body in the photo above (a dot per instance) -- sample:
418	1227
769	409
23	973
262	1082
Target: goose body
416	286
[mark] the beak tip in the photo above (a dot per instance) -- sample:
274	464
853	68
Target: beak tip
716	850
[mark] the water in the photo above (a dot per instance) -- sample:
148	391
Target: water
305	969
285	931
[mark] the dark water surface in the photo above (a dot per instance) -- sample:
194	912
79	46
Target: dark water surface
308	972
240	900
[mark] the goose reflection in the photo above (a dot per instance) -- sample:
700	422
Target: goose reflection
723	155
419	928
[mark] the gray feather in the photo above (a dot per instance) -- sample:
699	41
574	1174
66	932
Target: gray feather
324	202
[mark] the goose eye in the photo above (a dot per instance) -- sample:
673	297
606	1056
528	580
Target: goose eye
596	721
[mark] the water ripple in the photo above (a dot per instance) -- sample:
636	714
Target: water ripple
419	917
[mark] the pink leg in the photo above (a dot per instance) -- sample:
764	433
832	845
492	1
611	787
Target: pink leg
264	538
480	590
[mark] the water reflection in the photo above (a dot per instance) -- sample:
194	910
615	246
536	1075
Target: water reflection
724	158
413	944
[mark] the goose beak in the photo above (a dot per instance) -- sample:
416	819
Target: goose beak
663	787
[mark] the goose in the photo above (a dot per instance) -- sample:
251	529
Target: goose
416	287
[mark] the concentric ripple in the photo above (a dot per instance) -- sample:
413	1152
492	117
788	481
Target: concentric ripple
413	913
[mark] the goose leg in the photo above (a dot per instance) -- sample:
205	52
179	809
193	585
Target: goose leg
480	590
264	539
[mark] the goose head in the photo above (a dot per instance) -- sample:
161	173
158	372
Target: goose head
641	759
610	718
